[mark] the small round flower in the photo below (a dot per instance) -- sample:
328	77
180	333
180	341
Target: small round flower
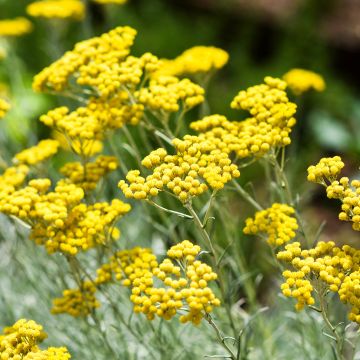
196	166
15	27
77	302
57	9
300	81
277	222
38	153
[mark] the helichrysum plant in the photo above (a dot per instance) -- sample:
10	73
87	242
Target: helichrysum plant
140	103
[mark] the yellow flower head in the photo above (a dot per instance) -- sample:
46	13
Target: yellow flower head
127	265
16	27
57	9
59	220
77	302
168	93
327	173
185	286
196	166
270	124
4	107
277	222
38	153
326	169
12	179
196	60
337	268
94	62
300	81
20	341
51	353
89	175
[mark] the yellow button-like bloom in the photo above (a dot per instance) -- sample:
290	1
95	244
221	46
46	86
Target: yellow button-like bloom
196	166
277	222
127	265
89	175
15	27
51	353
12	179
185	286
84	127
92	62
196	60
77	302
337	268
300	81
326	169
20	341
38	153
4	108
327	173
167	93
59	220
57	9
270	125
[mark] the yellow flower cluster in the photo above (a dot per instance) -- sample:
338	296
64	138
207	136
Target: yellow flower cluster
117	2
59	220
196	166
85	127
89	175
20	342
52	353
338	269
12	178
88	148
57	9
277	222
300	81
77	302
198	59
38	153
4	107
298	287
84	227
185	286
166	92
127	265
92	62
15	27
326	169
270	125
347	192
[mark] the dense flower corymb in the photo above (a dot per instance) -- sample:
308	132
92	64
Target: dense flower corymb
38	153
270	124
337	268
185	282
77	302
20	342
327	173
277	222
92	62
196	166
